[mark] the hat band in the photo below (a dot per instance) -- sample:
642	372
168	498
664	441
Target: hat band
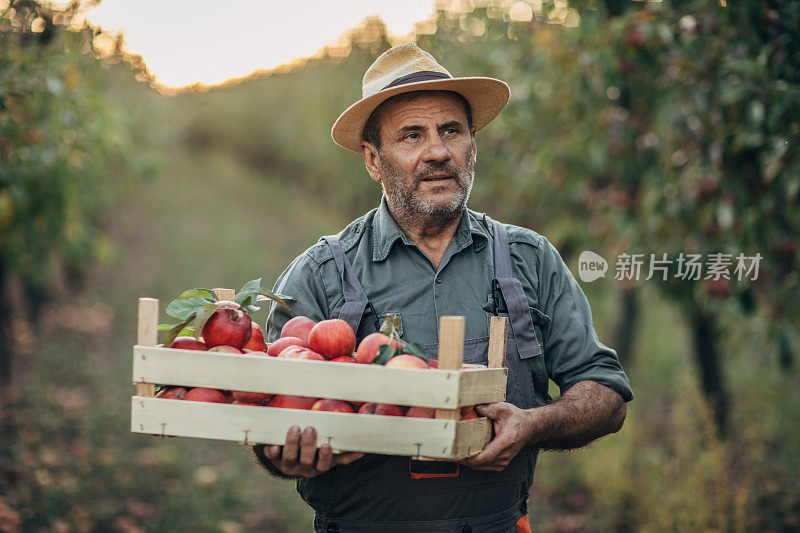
423	75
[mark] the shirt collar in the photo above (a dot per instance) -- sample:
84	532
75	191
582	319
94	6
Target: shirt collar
386	232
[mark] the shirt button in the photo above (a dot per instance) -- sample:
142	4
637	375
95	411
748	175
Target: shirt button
333	527
466	529
439	279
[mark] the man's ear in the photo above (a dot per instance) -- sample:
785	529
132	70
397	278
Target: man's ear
371	158
474	146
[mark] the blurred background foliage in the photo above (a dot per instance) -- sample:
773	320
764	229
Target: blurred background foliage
650	128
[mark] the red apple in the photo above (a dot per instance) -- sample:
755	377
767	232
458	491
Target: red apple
468	412
203	394
337	406
433	363
332	338
406	361
224	348
172	393
188	343
344	359
284	342
253	352
286	401
385	409
370	345
300	352
421	412
256	341
258	398
300	327
228	325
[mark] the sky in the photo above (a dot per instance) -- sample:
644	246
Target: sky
184	41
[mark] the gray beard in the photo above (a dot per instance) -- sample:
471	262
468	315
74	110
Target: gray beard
406	204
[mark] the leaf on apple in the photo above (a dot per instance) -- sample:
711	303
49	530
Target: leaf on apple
201	317
252	292
176	330
391	326
415	349
198	293
184	308
385	353
188	331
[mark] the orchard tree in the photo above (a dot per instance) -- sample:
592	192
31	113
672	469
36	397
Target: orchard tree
650	129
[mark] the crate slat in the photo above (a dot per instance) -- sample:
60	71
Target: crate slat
319	379
432	438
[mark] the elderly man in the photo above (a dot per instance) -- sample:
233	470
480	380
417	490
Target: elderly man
422	254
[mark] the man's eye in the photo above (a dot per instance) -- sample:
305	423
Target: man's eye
412	136
450	131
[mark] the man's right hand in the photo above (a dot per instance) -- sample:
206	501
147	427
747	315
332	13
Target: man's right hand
299	457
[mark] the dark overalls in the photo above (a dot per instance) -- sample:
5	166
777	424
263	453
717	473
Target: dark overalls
393	493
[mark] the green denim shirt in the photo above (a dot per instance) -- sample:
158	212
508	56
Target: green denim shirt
399	278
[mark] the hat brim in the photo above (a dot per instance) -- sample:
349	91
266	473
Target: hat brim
486	97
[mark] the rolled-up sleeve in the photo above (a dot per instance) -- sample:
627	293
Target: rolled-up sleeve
572	350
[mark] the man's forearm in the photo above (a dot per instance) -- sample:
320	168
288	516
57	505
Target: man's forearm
585	412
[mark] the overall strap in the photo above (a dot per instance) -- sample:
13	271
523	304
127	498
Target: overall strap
355	299
519	314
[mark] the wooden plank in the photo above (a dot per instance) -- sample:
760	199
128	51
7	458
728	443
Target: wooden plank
498	338
451	353
345	432
147	335
482	386
471	437
225	294
345	381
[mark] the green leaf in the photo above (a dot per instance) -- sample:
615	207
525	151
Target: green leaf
253	289
202	316
268	294
385	353
166	327
415	349
250	309
184	308
250	287
198	293
391	326
175	331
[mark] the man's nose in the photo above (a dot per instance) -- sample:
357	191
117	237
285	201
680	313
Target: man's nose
436	150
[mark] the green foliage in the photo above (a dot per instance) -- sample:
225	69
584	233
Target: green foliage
66	150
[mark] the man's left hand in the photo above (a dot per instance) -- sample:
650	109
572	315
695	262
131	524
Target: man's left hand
512	427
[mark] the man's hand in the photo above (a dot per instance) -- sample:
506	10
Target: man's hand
512	428
585	412
299	457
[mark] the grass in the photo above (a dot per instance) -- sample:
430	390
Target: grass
205	221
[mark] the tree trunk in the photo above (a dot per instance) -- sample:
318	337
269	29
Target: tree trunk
5	340
707	357
625	333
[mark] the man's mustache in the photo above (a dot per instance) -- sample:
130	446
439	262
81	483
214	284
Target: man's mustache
439	168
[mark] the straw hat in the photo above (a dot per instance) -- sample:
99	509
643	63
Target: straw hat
407	68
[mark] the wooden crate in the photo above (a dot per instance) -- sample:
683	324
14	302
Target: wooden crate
446	389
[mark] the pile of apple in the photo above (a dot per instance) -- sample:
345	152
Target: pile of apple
225	326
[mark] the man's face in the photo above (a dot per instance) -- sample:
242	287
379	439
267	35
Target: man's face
427	156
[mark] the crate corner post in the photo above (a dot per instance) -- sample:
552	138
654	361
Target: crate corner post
451	354
147	335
